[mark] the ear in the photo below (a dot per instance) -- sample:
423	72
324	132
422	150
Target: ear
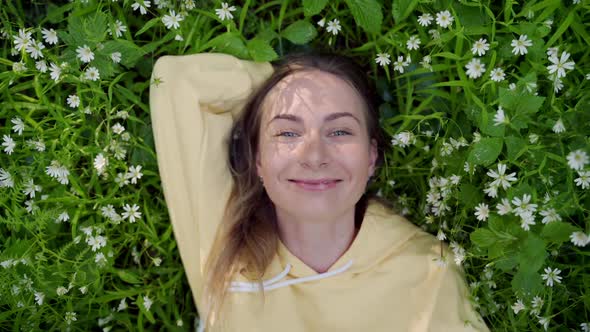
373	154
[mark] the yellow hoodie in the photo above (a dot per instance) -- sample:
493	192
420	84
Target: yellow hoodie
388	280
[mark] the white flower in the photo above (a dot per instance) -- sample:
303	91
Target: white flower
30	188
57	171
480	47
522	206
527	219
403	139
512	86
39	298
459	253
116	57
147	303
537	304
425	19
413	43
157	261
172	21
100	163
18	125
50	36
63	217
18	67
502	179
584	179
118	128
55	71
141	6
497	74
383	59
322	22
440	261
475	68
22	40
500	118
441	235
444	19
121	180
70	317
73	101
131	212
435	34
482	212
544	321
551	276
83	289
6	179
549	215
34	49
8	144
533	138
61	291
334	26
577	160
400	64
560	64
92	74
548	23
552	51
41	66
100	259
520	45
119	28
85	54
557	84
426	62
122	305
558	127
585	326
518	306
225	11
134	173
579	239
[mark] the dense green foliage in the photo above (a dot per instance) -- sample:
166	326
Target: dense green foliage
487	105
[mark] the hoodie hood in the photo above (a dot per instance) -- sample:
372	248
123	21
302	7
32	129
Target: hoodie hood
381	234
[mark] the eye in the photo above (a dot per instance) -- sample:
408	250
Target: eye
342	132
283	133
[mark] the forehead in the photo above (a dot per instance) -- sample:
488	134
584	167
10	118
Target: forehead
312	93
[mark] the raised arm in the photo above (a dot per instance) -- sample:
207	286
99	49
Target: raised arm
192	99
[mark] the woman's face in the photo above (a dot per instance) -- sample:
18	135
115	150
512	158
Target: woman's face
315	155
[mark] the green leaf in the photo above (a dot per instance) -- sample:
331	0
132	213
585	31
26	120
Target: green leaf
532	253
519	103
483	237
148	25
514	145
261	51
128	277
300	32
527	281
402	8
229	43
485	151
470	195
313	7
367	14
558	231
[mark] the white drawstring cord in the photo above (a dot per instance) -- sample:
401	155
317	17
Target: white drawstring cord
273	283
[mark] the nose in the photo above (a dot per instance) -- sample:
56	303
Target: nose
314	153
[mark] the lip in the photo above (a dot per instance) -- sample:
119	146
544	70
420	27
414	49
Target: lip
316	184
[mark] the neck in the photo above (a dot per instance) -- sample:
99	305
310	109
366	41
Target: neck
317	243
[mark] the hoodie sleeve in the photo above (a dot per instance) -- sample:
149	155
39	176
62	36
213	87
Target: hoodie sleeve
453	310
192	102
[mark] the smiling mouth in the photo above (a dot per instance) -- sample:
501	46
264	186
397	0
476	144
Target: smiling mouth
316	185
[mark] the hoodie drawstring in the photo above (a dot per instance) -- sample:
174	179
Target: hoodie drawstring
273	283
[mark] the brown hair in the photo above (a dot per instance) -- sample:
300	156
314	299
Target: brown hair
247	239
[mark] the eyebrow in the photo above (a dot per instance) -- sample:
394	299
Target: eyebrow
330	117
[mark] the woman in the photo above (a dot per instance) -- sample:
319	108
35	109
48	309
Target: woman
264	172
